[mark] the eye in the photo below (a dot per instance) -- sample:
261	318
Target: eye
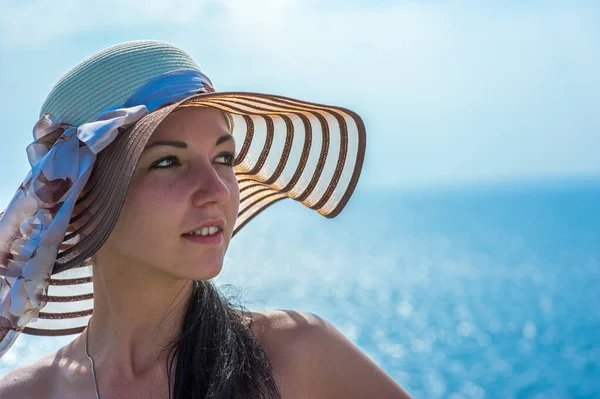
168	160
226	158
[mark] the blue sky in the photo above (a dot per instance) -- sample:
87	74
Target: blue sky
451	91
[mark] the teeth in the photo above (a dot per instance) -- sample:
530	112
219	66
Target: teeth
205	231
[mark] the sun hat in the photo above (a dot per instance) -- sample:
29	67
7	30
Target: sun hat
114	100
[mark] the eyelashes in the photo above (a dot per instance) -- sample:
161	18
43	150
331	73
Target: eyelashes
172	161
229	158
169	158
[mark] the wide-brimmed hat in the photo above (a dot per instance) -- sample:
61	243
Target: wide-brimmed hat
93	126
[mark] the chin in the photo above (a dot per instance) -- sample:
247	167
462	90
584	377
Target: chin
204	269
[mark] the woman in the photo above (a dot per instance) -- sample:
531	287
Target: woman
136	189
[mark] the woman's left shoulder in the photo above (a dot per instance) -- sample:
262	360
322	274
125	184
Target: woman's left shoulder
278	324
312	358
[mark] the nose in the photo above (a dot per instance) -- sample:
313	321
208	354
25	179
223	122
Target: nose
210	186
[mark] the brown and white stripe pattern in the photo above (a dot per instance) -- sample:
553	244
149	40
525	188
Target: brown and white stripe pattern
286	149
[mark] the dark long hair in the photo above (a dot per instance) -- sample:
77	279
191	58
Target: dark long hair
216	354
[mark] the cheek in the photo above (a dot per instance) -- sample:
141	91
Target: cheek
234	200
146	209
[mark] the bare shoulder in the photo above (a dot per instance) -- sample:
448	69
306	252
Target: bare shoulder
57	374
275	324
312	358
29	381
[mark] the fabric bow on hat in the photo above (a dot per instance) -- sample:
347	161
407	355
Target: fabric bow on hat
37	218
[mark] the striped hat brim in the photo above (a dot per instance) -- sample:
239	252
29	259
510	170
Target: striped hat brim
287	148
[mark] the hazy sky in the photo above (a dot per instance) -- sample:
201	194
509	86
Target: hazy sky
450	91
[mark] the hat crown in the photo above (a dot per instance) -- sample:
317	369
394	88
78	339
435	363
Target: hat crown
109	77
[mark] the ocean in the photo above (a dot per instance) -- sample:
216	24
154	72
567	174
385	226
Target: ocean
485	291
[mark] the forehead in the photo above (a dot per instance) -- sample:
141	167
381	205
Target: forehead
192	123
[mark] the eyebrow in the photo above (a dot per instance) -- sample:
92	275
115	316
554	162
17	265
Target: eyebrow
181	144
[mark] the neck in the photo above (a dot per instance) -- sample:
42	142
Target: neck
136	315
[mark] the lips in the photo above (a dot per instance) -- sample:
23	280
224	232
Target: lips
216	238
219	223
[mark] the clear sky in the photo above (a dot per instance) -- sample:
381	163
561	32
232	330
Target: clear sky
451	91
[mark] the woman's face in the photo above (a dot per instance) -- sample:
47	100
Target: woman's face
184	180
